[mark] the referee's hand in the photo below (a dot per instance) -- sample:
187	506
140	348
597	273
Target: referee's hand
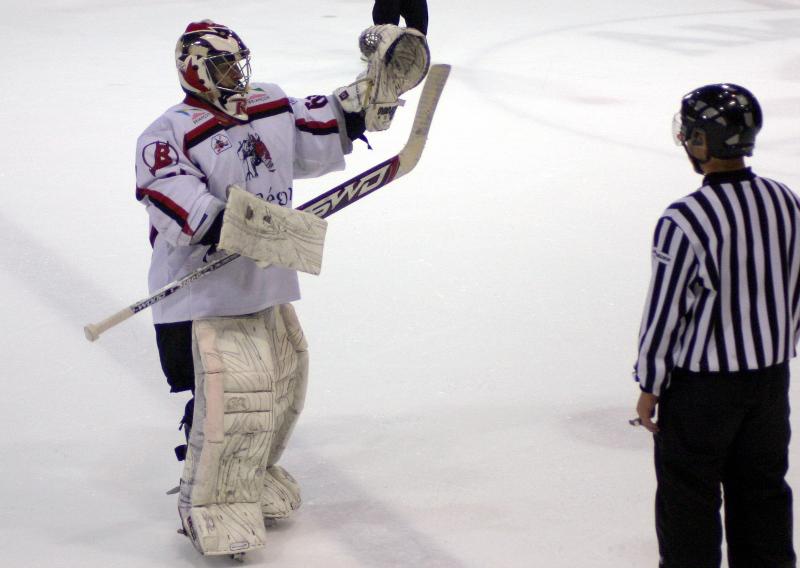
646	409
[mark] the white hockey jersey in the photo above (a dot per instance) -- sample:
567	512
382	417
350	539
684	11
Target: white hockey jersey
186	160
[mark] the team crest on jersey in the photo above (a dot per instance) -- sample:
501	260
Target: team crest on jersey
157	155
254	153
220	143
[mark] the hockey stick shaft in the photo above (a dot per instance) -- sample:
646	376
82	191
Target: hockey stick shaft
323	205
397	166
93	330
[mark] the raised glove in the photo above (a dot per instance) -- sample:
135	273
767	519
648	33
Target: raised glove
397	61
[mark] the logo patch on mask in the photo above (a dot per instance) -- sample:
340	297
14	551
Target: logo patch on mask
253	152
220	143
157	155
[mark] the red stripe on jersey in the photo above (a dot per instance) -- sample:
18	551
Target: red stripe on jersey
197	133
168	207
197	102
316	127
272	105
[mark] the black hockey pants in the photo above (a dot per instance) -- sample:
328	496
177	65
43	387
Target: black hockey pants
729	430
174	342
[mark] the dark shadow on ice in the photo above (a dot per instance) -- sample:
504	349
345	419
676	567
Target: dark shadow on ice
75	299
372	531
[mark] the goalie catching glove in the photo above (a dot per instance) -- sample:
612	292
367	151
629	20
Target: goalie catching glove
269	234
397	61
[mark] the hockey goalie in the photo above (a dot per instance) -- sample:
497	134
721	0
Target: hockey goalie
215	174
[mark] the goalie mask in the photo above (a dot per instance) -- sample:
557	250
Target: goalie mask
214	64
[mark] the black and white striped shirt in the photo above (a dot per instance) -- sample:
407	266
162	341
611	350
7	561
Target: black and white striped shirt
724	294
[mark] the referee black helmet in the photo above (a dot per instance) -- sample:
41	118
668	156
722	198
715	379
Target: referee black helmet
728	114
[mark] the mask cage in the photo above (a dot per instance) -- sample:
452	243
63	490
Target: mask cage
230	72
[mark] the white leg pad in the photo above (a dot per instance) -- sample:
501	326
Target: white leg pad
281	493
236	371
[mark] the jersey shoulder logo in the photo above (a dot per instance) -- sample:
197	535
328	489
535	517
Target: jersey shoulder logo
158	155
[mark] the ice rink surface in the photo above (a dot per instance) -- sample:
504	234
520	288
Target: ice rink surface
475	323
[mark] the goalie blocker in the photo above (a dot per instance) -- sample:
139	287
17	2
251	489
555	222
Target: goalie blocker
270	234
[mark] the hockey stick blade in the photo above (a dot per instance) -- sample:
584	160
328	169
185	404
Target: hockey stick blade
323	205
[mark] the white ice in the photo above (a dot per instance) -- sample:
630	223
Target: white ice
475	323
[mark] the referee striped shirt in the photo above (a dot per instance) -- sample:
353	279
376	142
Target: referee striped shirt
724	294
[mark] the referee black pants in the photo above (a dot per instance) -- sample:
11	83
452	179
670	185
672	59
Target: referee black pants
726	431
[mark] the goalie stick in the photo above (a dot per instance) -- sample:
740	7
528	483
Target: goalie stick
323	205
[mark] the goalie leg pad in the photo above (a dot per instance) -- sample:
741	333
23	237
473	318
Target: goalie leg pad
292	383
281	494
270	234
229	445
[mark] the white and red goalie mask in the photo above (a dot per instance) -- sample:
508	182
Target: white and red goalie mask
214	64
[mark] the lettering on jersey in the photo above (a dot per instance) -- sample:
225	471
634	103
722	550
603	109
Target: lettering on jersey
196	116
255	98
316	101
282	198
661	257
220	143
253	153
200	116
157	155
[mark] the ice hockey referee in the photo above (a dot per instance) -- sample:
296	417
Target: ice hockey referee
720	324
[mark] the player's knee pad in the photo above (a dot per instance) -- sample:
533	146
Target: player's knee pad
232	431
